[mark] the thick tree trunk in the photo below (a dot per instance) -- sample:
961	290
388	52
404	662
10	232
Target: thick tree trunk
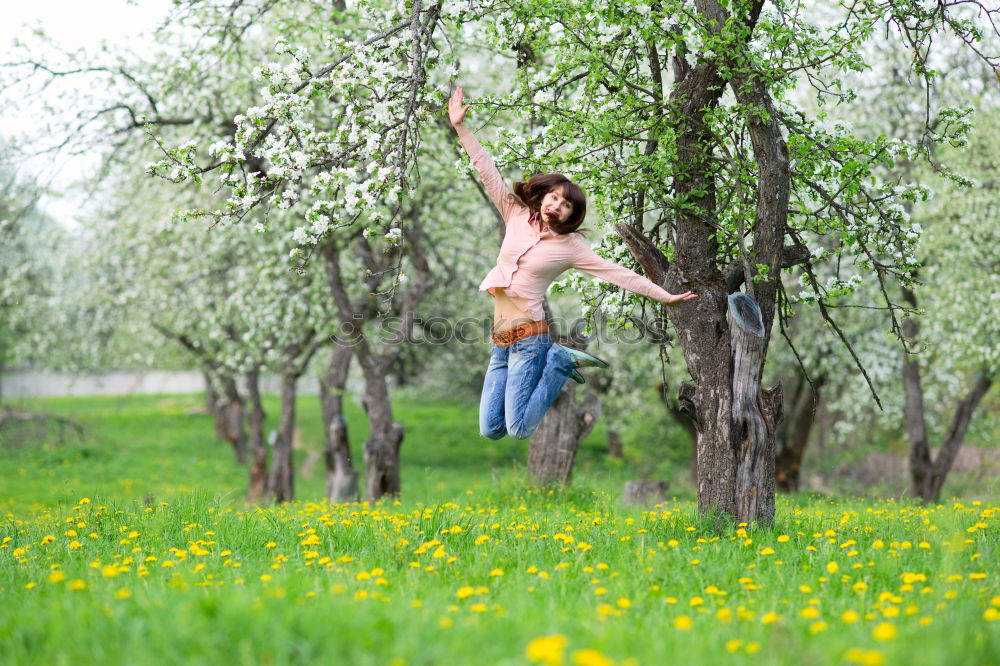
230	413
381	450
554	444
341	475
257	486
282	482
682	412
792	435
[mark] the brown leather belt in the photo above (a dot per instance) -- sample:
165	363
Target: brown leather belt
509	337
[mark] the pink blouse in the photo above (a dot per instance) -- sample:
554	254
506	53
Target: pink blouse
530	259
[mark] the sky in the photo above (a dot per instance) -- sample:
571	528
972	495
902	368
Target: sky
74	25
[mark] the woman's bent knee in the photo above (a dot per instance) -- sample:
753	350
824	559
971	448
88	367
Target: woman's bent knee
520	432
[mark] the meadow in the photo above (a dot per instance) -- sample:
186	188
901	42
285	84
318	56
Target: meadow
134	546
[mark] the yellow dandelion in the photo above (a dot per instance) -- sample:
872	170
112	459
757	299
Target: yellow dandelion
496	572
767	551
832	567
733	645
884	631
57	576
478	608
783	538
547	649
464	592
683	622
591	657
865	657
77	584
123	593
769	618
624	602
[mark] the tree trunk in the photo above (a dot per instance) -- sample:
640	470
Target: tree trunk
927	475
282	482
381	451
341	475
616	448
956	434
257	486
554	444
229	415
682	411
792	435
211	395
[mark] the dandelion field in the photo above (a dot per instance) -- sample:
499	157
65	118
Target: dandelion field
499	573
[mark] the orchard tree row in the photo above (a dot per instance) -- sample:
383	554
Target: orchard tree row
280	183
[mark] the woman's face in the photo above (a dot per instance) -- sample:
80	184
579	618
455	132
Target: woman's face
555	207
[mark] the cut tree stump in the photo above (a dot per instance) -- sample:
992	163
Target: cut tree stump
754	439
645	493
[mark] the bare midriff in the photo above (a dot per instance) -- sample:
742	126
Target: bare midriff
506	313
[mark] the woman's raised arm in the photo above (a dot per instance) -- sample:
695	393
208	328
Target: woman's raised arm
488	173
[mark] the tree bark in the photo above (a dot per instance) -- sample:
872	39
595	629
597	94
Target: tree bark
282	481
792	434
257	485
616	448
211	395
381	449
341	475
555	443
229	417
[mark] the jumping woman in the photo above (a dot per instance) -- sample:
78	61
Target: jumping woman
527	370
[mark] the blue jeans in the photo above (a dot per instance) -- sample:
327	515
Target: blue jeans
522	382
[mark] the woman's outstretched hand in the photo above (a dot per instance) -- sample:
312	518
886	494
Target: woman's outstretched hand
676	299
456	112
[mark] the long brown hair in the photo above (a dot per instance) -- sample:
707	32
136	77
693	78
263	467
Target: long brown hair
533	190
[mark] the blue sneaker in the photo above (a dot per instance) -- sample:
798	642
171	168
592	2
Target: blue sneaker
582	359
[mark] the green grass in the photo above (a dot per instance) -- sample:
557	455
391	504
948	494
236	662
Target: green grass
135	547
